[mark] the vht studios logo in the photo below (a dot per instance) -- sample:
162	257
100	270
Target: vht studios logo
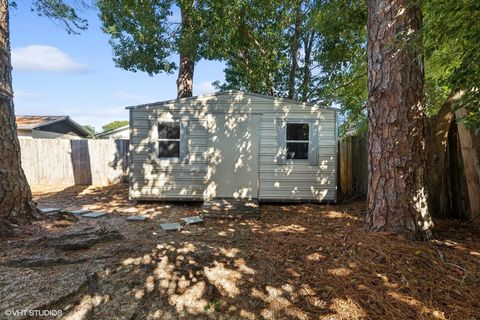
33	313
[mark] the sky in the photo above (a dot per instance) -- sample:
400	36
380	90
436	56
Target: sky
55	73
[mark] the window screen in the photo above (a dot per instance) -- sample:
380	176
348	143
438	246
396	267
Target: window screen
169	139
297	140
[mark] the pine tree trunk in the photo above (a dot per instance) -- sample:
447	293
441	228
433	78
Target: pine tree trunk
187	52
16	205
185	77
294	50
397	194
307	73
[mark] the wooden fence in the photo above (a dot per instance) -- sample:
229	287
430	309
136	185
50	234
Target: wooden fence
352	167
452	163
62	162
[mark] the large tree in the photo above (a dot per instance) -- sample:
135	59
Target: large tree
145	36
16	204
397	194
268	47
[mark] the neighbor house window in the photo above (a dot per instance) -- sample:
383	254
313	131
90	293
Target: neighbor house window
297	140
169	139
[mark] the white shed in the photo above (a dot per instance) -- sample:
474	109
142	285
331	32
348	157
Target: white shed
233	145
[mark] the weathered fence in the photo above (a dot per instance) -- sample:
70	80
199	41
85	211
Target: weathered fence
49	162
452	163
352	166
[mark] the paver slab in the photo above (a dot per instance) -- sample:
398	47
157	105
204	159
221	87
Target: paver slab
171	226
80	212
94	214
192	220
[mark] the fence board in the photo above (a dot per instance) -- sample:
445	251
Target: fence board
352	165
49	162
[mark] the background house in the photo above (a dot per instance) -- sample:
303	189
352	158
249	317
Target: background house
233	145
49	127
119	133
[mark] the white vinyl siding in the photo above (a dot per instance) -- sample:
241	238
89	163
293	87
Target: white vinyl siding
280	179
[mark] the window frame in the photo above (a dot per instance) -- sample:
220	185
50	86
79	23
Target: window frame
281	156
297	141
179	140
154	119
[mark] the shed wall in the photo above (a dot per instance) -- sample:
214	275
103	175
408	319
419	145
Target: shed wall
295	180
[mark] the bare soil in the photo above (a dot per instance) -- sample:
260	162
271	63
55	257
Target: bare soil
298	261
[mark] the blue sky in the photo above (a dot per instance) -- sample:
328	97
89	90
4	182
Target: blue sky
55	73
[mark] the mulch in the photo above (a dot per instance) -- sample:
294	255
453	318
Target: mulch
298	261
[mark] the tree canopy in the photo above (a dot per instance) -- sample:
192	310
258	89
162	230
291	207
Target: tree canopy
91	129
114	125
336	61
62	12
452	55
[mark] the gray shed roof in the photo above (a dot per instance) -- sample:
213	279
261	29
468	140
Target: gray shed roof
228	92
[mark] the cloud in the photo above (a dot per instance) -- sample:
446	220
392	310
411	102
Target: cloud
203	87
39	58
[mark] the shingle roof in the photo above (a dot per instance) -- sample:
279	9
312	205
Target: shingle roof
33	122
30	122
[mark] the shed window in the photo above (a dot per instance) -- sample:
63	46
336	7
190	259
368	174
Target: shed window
297	140
169	139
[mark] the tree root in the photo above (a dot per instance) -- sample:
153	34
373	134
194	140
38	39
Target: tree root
83	240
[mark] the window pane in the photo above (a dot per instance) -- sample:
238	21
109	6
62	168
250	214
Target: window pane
168	130
168	149
297	150
297	131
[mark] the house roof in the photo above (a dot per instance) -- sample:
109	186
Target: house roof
106	133
27	122
227	92
31	122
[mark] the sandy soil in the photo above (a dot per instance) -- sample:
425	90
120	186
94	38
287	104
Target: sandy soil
298	261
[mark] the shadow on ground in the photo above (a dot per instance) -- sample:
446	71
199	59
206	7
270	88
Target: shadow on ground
300	261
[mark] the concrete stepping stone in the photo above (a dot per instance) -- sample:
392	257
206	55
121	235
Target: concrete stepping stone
137	218
192	220
80	212
50	210
94	214
171	226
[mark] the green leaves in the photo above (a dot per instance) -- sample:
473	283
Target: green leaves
114	125
62	12
143	34
91	129
257	45
452	37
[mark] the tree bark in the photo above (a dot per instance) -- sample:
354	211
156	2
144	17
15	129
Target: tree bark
187	52
294	50
397	189
307	73
185	76
16	205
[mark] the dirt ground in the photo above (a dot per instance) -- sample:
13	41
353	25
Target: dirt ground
298	261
